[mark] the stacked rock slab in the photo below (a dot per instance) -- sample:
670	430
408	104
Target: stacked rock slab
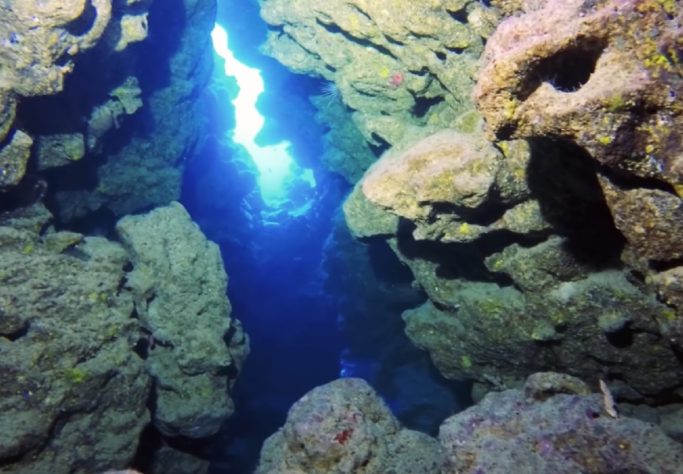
399	67
606	77
507	295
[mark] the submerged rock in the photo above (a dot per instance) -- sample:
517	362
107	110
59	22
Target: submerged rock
396	66
72	390
565	433
179	285
41	43
345	427
605	75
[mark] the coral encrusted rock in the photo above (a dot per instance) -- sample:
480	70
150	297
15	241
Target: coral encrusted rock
569	432
605	75
41	44
73	393
179	284
344	427
395	65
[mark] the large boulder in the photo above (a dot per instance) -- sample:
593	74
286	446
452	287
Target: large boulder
345	427
604	75
72	390
553	425
179	285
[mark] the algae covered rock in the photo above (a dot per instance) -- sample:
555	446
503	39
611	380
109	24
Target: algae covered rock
451	187
179	285
365	218
73	391
14	157
559	315
446	168
345	427
564	433
605	75
395	65
651	220
59	149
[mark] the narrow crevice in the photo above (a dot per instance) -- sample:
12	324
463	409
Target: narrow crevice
336	30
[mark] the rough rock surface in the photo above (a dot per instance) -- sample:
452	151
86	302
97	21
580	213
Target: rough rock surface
72	391
516	431
560	315
344	427
179	285
393	71
41	43
605	75
146	170
651	220
446	168
507	295
451	186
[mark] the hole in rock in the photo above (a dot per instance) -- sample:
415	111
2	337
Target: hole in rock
569	69
424	104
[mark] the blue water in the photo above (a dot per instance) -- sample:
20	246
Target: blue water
308	323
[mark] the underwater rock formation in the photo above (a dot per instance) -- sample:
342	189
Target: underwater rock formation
565	432
399	67
147	171
604	75
179	285
74	73
552	424
72	391
345	427
87	125
503	241
41	43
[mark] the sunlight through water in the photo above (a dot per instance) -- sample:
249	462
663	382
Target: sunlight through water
277	170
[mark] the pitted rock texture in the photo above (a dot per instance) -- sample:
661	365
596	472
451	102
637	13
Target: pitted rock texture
344	427
41	44
605	75
179	285
559	315
515	249
72	390
511	431
396	65
451	187
651	220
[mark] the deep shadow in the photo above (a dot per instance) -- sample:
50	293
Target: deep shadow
562	176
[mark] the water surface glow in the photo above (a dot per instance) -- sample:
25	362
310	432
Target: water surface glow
276	167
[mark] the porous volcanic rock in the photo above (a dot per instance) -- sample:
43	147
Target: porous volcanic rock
179	285
343	427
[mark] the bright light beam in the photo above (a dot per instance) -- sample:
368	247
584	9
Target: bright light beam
274	163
